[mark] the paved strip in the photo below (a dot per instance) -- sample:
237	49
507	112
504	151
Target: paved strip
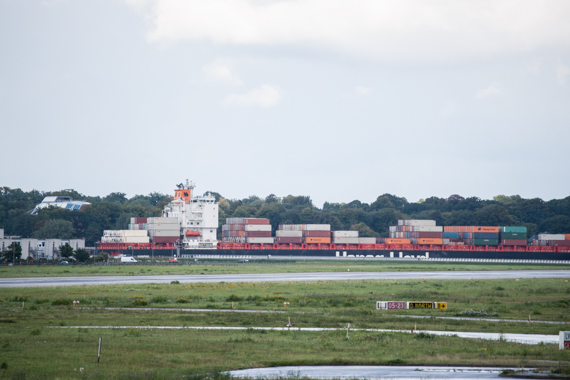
481	319
370	372
280	277
514	338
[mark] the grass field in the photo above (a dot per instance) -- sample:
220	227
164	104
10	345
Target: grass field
31	348
259	266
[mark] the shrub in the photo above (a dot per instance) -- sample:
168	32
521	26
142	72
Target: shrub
175	282
159	299
139	301
41	300
61	302
18	299
423	335
476	313
182	300
233	298
35	332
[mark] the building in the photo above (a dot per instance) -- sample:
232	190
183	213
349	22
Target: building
39	248
59	201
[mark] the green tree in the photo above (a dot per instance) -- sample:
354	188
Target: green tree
55	229
82	255
102	257
558	224
13	253
363	230
66	251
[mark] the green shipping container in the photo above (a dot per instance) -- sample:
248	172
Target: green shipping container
513	235
517	229
486	241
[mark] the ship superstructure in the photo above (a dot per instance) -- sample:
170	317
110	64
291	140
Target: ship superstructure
197	216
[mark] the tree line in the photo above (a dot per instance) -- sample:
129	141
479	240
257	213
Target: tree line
115	210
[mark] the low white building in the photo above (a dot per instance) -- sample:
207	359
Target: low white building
39	248
59	201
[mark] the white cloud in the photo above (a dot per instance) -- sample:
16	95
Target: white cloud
362	91
449	109
220	72
562	71
264	96
494	89
392	30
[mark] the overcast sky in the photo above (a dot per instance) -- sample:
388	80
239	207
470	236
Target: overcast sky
338	100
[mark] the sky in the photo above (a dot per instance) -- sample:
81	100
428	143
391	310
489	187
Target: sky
337	100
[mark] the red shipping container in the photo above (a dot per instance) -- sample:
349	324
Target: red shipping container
255	221
165	239
430	235
513	242
288	239
258	233
317	234
140	220
559	243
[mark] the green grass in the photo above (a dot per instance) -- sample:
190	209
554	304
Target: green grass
65	353
27	343
260	266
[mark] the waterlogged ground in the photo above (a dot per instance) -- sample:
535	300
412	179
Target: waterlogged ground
257	266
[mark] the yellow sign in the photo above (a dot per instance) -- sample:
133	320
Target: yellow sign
441	305
420	305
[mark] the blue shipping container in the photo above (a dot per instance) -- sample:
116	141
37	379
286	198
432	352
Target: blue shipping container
451	235
485	235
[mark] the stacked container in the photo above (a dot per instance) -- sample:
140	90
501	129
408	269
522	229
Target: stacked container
310	233
163	230
513	235
138	224
124	236
553	240
345	237
476	235
417	231
247	230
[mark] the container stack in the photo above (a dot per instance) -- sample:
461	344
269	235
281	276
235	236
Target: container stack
247	230
553	240
138	224
310	233
125	236
475	235
513	235
163	230
415	231
345	237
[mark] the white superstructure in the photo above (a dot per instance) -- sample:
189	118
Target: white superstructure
197	215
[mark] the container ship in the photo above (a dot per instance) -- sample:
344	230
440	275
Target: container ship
189	224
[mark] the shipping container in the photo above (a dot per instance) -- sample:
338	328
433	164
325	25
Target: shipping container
156	220
257	233
366	240
428	228
289	240
485	235
559	243
317	233
317	227
567	236
321	240
295	234
347	234
471	229
258	227
513	235
428	235
514	229
163	226
344	240
396	241
513	241
164	233
165	239
551	237
414	222
450	235
429	241
485	241
260	240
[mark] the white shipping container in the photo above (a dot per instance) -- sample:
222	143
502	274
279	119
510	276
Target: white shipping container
366	240
280	233
260	240
317	227
257	227
551	237
347	234
291	227
135	233
416	222
428	228
345	240
161	220
136	239
164	233
393	228
163	226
